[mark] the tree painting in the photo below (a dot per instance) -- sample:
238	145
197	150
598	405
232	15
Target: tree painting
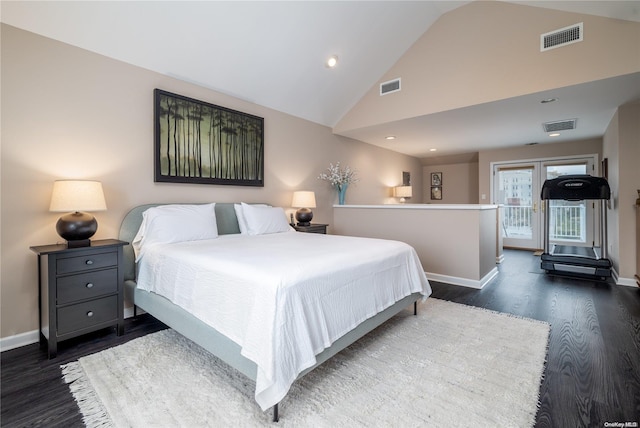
197	142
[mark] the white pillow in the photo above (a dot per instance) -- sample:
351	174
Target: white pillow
263	220
242	222
166	224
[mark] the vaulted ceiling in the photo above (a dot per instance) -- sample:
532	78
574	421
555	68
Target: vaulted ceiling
273	54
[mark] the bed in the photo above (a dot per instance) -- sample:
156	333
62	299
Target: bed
284	301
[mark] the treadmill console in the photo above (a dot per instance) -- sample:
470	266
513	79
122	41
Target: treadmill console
576	188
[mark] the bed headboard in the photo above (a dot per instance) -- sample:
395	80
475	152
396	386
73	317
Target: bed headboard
225	218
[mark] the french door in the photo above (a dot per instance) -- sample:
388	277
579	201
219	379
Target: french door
517	187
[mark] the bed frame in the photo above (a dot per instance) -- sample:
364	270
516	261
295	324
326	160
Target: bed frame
204	335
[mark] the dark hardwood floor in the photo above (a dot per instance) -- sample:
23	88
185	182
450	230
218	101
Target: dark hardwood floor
592	374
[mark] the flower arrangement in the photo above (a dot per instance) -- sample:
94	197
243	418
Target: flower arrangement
339	178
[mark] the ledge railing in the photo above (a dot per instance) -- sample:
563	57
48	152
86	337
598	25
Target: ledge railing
567	223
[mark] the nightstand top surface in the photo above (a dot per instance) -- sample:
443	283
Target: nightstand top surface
312	228
57	248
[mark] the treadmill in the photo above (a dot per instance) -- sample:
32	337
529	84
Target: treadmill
585	262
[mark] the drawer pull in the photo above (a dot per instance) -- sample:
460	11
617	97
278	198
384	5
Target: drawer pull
89	262
90	313
89	285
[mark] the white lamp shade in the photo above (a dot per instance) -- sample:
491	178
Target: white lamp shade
402	192
304	199
77	195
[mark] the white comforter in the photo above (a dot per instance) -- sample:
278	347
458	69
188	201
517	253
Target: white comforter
283	297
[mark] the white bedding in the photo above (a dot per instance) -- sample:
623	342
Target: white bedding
282	297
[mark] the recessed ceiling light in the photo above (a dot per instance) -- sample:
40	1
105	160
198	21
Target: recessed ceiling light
555	134
332	61
390	137
432	150
548	100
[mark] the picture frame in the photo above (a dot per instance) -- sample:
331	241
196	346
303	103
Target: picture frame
436	179
436	193
199	142
406	178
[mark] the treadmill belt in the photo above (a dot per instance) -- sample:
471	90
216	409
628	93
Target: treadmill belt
570	250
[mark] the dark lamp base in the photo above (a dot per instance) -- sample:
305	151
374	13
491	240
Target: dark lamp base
79	243
77	226
304	216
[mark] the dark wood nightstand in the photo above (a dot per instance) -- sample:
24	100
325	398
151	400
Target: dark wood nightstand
312	228
80	290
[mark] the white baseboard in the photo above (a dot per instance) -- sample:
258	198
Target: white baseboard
18	340
500	258
614	274
465	282
628	282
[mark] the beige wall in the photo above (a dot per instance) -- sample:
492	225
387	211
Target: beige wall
70	113
629	182
470	55
621	146
459	183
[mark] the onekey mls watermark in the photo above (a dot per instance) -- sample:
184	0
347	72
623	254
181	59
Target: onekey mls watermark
627	424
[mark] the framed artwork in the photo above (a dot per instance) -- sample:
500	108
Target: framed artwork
198	142
406	178
436	193
436	179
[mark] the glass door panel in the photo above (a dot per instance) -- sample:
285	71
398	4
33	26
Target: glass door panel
516	188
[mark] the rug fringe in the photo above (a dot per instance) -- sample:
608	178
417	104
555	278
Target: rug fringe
94	414
542	374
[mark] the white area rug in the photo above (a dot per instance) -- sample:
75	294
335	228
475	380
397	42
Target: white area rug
452	365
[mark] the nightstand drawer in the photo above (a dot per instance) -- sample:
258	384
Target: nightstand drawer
86	262
87	314
321	230
87	285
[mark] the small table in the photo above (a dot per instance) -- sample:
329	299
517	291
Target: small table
80	290
312	228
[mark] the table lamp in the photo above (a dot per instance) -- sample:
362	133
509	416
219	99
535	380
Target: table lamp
77	196
304	200
402	192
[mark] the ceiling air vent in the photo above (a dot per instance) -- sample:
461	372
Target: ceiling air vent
561	125
562	37
390	86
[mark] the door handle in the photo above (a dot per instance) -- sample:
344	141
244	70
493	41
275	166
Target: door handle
535	207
